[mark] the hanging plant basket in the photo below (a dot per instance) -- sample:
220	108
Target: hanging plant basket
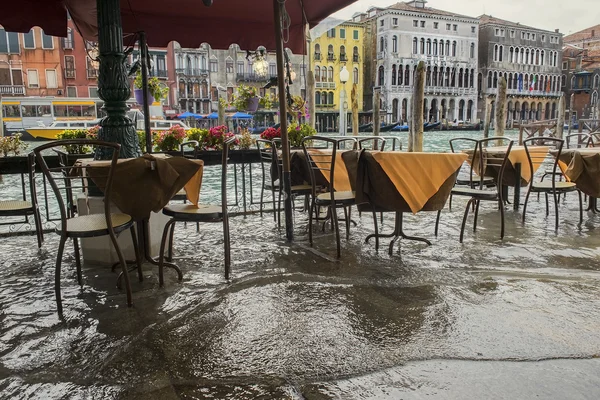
139	96
252	104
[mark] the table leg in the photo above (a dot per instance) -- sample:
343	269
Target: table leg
399	233
517	196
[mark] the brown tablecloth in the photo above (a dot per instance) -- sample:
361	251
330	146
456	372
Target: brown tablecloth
405	182
300	173
145	184
582	166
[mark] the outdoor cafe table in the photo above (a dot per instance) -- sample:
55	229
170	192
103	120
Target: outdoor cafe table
403	182
582	166
518	166
146	184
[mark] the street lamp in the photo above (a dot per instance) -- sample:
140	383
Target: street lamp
344	76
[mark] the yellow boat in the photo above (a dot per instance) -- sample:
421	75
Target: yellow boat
50	132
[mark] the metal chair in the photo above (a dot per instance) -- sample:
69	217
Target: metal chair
187	154
477	189
376	143
268	157
553	187
92	225
578	140
323	162
395	142
25	207
202	213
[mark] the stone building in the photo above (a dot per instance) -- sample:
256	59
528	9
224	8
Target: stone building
407	33
530	60
581	72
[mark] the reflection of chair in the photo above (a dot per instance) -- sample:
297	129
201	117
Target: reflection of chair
372	143
268	156
92	225
477	189
24	207
554	187
202	213
323	162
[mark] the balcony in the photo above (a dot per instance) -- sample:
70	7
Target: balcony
252	77
586	87
330	57
69	73
380	55
67	43
158	73
15	90
525	92
325	85
343	57
355	58
92	73
317	56
325	105
191	71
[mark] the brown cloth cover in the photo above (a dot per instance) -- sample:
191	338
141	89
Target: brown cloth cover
583	168
517	155
380	190
145	184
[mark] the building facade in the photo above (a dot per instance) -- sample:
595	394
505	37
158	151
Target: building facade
340	46
407	33
581	72
530	61
79	64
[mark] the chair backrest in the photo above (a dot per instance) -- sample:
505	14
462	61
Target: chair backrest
470	146
372	143
188	147
534	157
103	174
224	163
395	142
268	156
578	140
482	160
321	158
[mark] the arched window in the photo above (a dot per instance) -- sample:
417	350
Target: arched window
317	74
317	98
381	79
330	74
472	77
330	52
460	78
330	98
355	54
394	74
435	47
343	53
203	63
442	48
537	57
522	56
324	74
428	46
495	52
489	79
594	99
400	75
542	53
495	81
466	79
555	59
381	44
563	81
527	56
501	53
317	52
355	76
511	54
407	76
454	48
415	45
324	98
596	81
422	46
395	44
472	51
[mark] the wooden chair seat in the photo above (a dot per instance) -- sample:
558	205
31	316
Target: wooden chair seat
339	197
189	212
476	193
546	186
95	225
8	206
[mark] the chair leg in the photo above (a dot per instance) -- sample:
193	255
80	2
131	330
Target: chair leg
464	222
138	257
113	239
77	261
279	210
61	248
169	257
547	206
227	246
336	226
376	230
477	202
274	209
262	197
161	255
501	219
580	208
556	196
437	222
450	203
525	205
39	230
347	219
310	221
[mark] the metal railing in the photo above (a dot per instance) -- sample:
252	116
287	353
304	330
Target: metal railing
69	73
92	73
12	89
159	73
325	85
192	71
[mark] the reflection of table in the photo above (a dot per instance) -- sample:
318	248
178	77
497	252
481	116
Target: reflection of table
145	184
404	182
582	166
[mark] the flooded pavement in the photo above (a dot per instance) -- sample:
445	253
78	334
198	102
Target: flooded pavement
511	319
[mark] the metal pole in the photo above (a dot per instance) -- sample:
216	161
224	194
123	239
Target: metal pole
342	116
1	118
285	146
146	106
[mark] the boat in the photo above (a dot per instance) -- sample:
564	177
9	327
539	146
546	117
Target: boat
50	132
387	128
400	128
462	127
430	127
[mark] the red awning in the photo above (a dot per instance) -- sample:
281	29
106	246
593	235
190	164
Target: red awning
248	23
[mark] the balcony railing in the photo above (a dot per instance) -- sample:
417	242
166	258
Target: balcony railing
325	105
12	89
584	87
330	57
67	43
526	92
380	55
159	73
92	73
70	73
343	57
317	56
355	58
252	77
325	85
192	71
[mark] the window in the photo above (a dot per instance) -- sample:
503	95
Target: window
523	35
93	92
214	65
67	42
32	78
543	38
454	49
355	76
473	28
330	76
422	24
565	65
472	51
528	36
342	33
395	21
563	81
71	91
512	33
51	81
381	44
416	23
435	25
447	27
28	40
355	34
533	36
415	46
395	44
331	33
382	22
355	54
47	42
9	42
240	68
272	69
229	66
455	27
69	67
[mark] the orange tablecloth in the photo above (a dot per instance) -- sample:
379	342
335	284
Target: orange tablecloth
582	166
145	184
418	176
342	181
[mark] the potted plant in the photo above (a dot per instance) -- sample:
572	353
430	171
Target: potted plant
91	133
156	91
170	139
246	99
216	137
297	132
12	143
271	133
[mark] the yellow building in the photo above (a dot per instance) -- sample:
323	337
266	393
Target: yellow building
338	47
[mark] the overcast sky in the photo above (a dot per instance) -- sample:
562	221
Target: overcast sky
569	16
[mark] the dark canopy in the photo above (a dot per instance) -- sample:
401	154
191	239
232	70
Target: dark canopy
248	23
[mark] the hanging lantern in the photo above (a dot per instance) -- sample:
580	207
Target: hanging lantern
260	65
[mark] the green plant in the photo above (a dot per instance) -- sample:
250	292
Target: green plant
298	132
267	101
77	134
12	143
170	139
142	140
155	87
244	93
245	140
197	134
